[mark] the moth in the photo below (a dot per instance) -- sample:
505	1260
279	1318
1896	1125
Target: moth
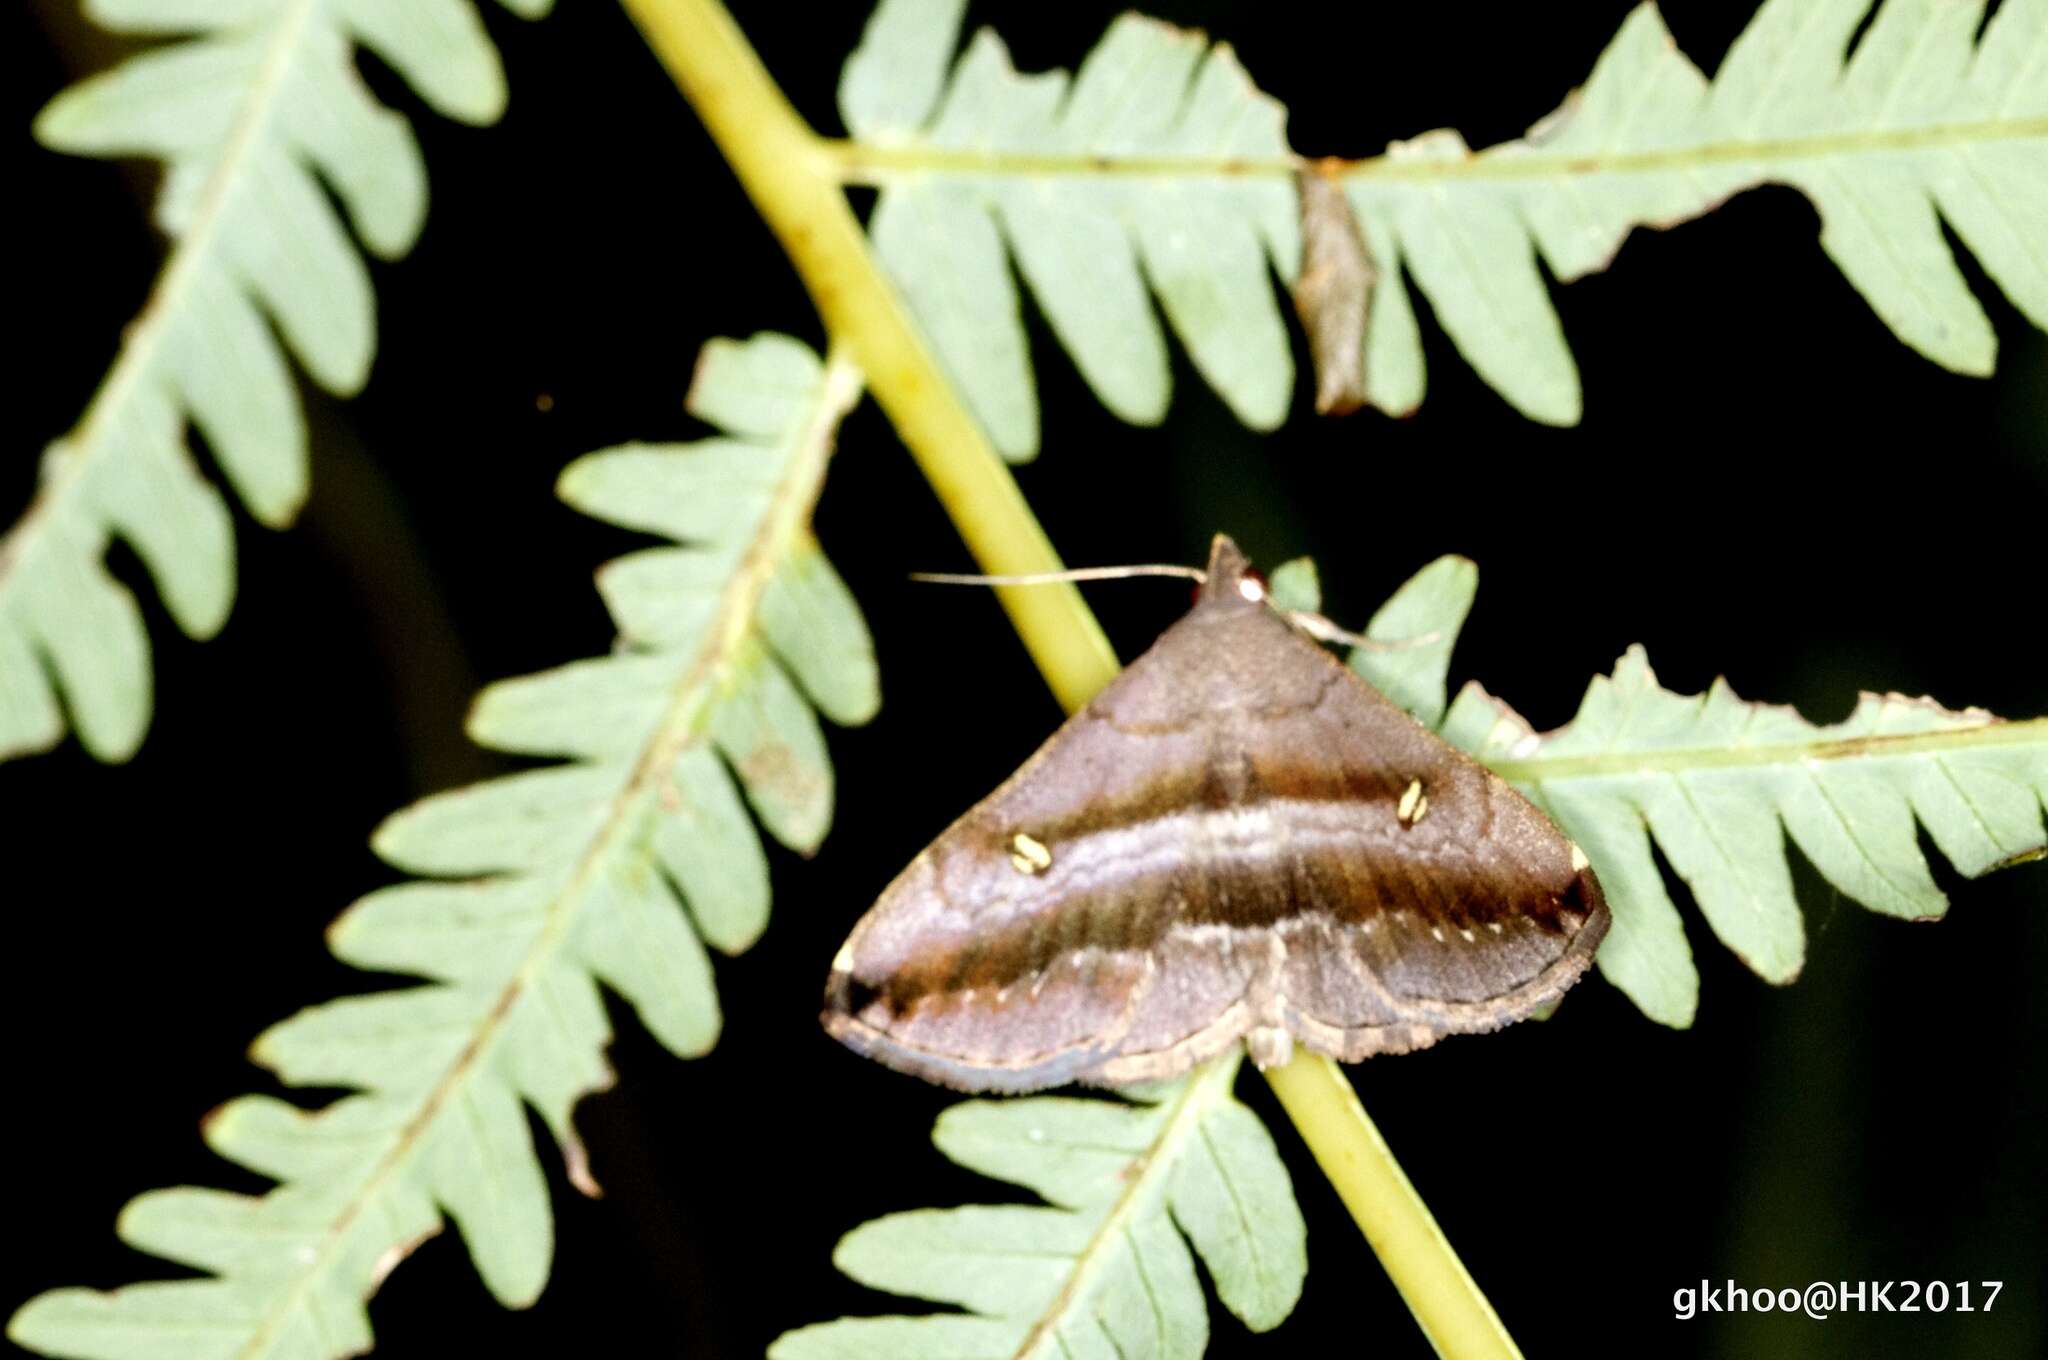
1238	839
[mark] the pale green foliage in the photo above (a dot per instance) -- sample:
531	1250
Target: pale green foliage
1419	626
1100	1270
538	887
1916	122
1412	634
257	117
1161	159
1716	782
1093	247
1294	585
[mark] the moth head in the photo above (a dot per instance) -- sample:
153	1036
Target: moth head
1229	578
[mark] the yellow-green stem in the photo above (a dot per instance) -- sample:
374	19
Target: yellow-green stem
1447	1305
786	171
793	179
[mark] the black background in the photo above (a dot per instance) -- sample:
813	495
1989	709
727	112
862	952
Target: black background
1766	484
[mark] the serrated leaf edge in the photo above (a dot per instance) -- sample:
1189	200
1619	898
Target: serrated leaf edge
1148	1188
785	525
1542	383
67	461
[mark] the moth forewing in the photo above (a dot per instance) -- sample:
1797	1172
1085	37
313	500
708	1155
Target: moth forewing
1239	839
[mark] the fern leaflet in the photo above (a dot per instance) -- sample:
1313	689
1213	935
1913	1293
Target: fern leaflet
1101	1269
538	887
1716	781
1086	242
255	117
1917	127
1159	169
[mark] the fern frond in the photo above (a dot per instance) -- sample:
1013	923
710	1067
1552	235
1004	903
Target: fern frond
1094	247
1921	125
1101	1269
538	887
1716	782
1156	162
257	116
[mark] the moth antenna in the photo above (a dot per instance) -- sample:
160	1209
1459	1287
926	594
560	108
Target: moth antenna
1041	578
1317	626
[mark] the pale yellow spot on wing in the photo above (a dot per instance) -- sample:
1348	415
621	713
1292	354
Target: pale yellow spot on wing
1029	854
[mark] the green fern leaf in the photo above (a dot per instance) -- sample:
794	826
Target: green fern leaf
1157	162
1101	1269
1295	586
611	868
1418	626
1716	782
1918	127
1088	244
256	117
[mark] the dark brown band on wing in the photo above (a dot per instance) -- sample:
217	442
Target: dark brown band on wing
1135	915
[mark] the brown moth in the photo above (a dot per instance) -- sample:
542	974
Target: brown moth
1239	838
